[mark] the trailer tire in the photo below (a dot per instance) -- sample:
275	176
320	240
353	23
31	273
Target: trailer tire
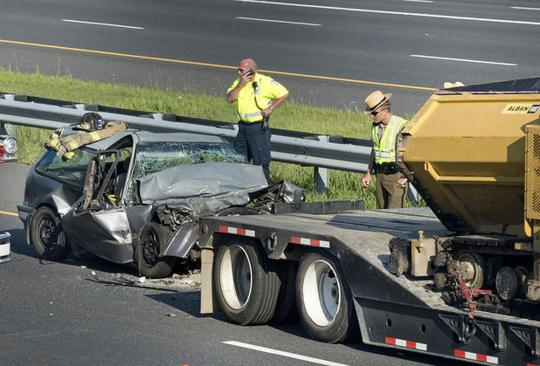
324	301
47	235
246	282
147	252
286	303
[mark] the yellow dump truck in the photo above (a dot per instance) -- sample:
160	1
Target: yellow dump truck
474	155
460	282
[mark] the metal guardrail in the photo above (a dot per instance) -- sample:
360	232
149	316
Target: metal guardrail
321	152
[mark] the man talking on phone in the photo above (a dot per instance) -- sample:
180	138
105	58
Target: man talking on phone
256	97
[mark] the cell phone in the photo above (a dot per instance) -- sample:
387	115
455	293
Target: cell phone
249	72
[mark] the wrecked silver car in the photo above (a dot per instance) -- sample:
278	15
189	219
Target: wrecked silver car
137	197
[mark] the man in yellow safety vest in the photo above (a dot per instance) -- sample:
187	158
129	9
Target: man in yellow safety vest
390	185
256	97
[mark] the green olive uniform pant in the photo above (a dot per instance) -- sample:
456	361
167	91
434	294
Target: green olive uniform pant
386	192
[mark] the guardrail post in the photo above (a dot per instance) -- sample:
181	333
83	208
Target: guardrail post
321	175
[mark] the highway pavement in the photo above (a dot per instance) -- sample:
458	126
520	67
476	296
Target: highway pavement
328	52
60	314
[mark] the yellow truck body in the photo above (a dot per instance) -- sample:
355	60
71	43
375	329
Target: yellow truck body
465	151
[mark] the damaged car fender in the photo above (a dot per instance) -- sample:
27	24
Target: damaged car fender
183	240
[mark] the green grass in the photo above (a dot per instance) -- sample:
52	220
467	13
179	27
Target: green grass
291	116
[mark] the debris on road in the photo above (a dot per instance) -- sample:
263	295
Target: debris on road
176	283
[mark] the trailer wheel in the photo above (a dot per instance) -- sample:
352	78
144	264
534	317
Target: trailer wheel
324	302
147	253
47	235
246	282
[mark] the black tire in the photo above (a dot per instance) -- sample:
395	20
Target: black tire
147	253
246	282
323	299
47	235
286	303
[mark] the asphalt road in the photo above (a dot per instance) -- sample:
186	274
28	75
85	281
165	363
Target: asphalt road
328	52
58	314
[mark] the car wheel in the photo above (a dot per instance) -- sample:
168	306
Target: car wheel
147	253
47	235
246	283
324	302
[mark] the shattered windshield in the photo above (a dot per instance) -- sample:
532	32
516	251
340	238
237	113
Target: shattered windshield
158	156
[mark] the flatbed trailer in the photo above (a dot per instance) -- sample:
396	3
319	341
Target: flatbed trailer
336	268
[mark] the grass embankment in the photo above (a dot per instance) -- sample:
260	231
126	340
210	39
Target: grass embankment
292	116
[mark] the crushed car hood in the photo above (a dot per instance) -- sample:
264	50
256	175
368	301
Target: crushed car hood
203	187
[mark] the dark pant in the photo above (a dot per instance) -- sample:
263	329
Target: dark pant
254	143
387	194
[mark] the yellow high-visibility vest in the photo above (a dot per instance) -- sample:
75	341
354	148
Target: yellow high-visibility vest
385	147
256	95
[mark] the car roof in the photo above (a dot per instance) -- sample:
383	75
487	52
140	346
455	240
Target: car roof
146	136
150	137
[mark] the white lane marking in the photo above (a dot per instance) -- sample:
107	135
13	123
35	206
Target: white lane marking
464	60
104	24
278	21
283	353
523	8
418	1
358	10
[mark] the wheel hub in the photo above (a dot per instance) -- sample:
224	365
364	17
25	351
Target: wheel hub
47	231
150	248
322	293
236	280
471	268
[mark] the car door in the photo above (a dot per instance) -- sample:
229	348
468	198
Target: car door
98	222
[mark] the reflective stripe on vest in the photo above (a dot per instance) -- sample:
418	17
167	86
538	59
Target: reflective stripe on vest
248	116
385	148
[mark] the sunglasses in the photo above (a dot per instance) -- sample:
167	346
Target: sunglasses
374	113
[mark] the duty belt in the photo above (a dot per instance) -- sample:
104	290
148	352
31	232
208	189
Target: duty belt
250	123
386	168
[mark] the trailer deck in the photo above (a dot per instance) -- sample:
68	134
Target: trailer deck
367	234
